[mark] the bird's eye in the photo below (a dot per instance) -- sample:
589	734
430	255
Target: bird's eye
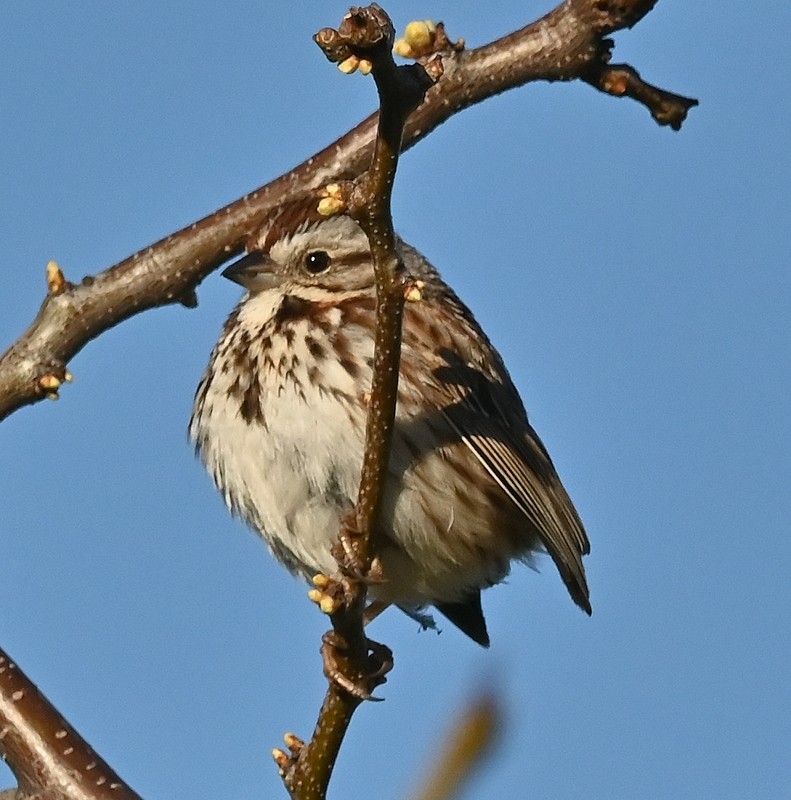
317	262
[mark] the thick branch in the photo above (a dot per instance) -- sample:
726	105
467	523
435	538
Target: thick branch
50	759
565	44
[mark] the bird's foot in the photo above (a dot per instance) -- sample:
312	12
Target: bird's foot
342	669
348	557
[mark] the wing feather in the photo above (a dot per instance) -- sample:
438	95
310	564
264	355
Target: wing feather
518	462
465	379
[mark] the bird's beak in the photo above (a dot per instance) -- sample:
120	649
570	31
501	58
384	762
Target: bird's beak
256	271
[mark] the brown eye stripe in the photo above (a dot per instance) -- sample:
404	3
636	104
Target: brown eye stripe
352	259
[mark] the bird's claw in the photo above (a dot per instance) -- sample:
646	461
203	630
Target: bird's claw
340	669
349	561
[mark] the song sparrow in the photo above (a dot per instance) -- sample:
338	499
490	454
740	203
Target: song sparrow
279	421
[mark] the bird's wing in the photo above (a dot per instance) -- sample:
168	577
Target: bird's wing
467	382
510	451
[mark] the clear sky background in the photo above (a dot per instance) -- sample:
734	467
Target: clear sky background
637	283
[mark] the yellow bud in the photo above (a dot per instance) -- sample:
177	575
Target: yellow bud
414	292
402	48
349	65
420	35
365	66
293	742
56	281
329	206
328	605
321	581
315	596
49	383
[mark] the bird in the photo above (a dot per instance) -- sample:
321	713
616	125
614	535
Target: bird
279	422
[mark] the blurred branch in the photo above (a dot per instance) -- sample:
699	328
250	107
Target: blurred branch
469	742
565	44
50	760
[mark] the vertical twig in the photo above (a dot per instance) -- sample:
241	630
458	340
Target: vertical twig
367	35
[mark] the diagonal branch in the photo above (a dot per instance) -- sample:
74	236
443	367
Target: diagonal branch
469	740
50	760
566	44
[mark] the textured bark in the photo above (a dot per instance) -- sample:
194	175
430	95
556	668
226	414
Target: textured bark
565	44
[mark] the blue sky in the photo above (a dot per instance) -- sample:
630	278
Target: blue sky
637	283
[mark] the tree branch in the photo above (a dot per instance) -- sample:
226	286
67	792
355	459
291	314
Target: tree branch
621	80
470	739
50	760
565	44
367	35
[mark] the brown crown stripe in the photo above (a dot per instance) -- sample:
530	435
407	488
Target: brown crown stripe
289	217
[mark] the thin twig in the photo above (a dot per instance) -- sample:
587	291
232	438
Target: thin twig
621	80
366	34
